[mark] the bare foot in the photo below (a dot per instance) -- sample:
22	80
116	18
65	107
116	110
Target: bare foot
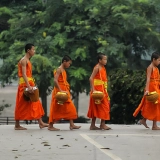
74	127
42	125
142	121
94	128
19	128
155	128
105	127
53	129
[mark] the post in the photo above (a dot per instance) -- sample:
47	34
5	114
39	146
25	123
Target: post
7	120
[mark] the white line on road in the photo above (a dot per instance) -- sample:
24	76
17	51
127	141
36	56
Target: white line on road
108	153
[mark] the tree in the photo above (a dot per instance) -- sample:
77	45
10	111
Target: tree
15	39
121	29
82	29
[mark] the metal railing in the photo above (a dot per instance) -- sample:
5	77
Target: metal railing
11	120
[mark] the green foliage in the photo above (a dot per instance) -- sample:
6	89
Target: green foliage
126	91
5	10
123	29
77	79
5	14
43	78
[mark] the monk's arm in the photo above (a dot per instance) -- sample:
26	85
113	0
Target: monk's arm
24	63
149	71
58	72
91	79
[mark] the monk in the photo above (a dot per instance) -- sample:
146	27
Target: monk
66	110
98	82
150	110
27	110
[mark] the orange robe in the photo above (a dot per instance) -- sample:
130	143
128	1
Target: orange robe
26	110
102	110
150	110
67	110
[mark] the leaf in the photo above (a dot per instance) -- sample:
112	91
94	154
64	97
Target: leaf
47	145
66	145
44	142
106	148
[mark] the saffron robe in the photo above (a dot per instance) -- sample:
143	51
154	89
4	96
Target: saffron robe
148	109
26	110
102	110
66	111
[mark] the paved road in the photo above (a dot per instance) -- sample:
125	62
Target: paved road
123	142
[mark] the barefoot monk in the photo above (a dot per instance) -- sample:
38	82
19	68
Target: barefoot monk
27	110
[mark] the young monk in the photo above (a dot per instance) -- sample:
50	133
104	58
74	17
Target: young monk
67	110
149	110
98	82
27	110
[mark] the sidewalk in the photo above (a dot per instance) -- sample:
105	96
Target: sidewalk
123	142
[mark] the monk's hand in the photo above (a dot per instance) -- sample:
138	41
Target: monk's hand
146	93
30	89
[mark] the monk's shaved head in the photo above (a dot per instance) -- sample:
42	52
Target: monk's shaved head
155	55
100	56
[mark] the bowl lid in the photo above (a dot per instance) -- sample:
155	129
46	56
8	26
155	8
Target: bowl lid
154	92
97	92
61	93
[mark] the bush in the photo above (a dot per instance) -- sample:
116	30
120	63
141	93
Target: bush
126	91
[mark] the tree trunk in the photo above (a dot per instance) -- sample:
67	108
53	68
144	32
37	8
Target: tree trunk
76	100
